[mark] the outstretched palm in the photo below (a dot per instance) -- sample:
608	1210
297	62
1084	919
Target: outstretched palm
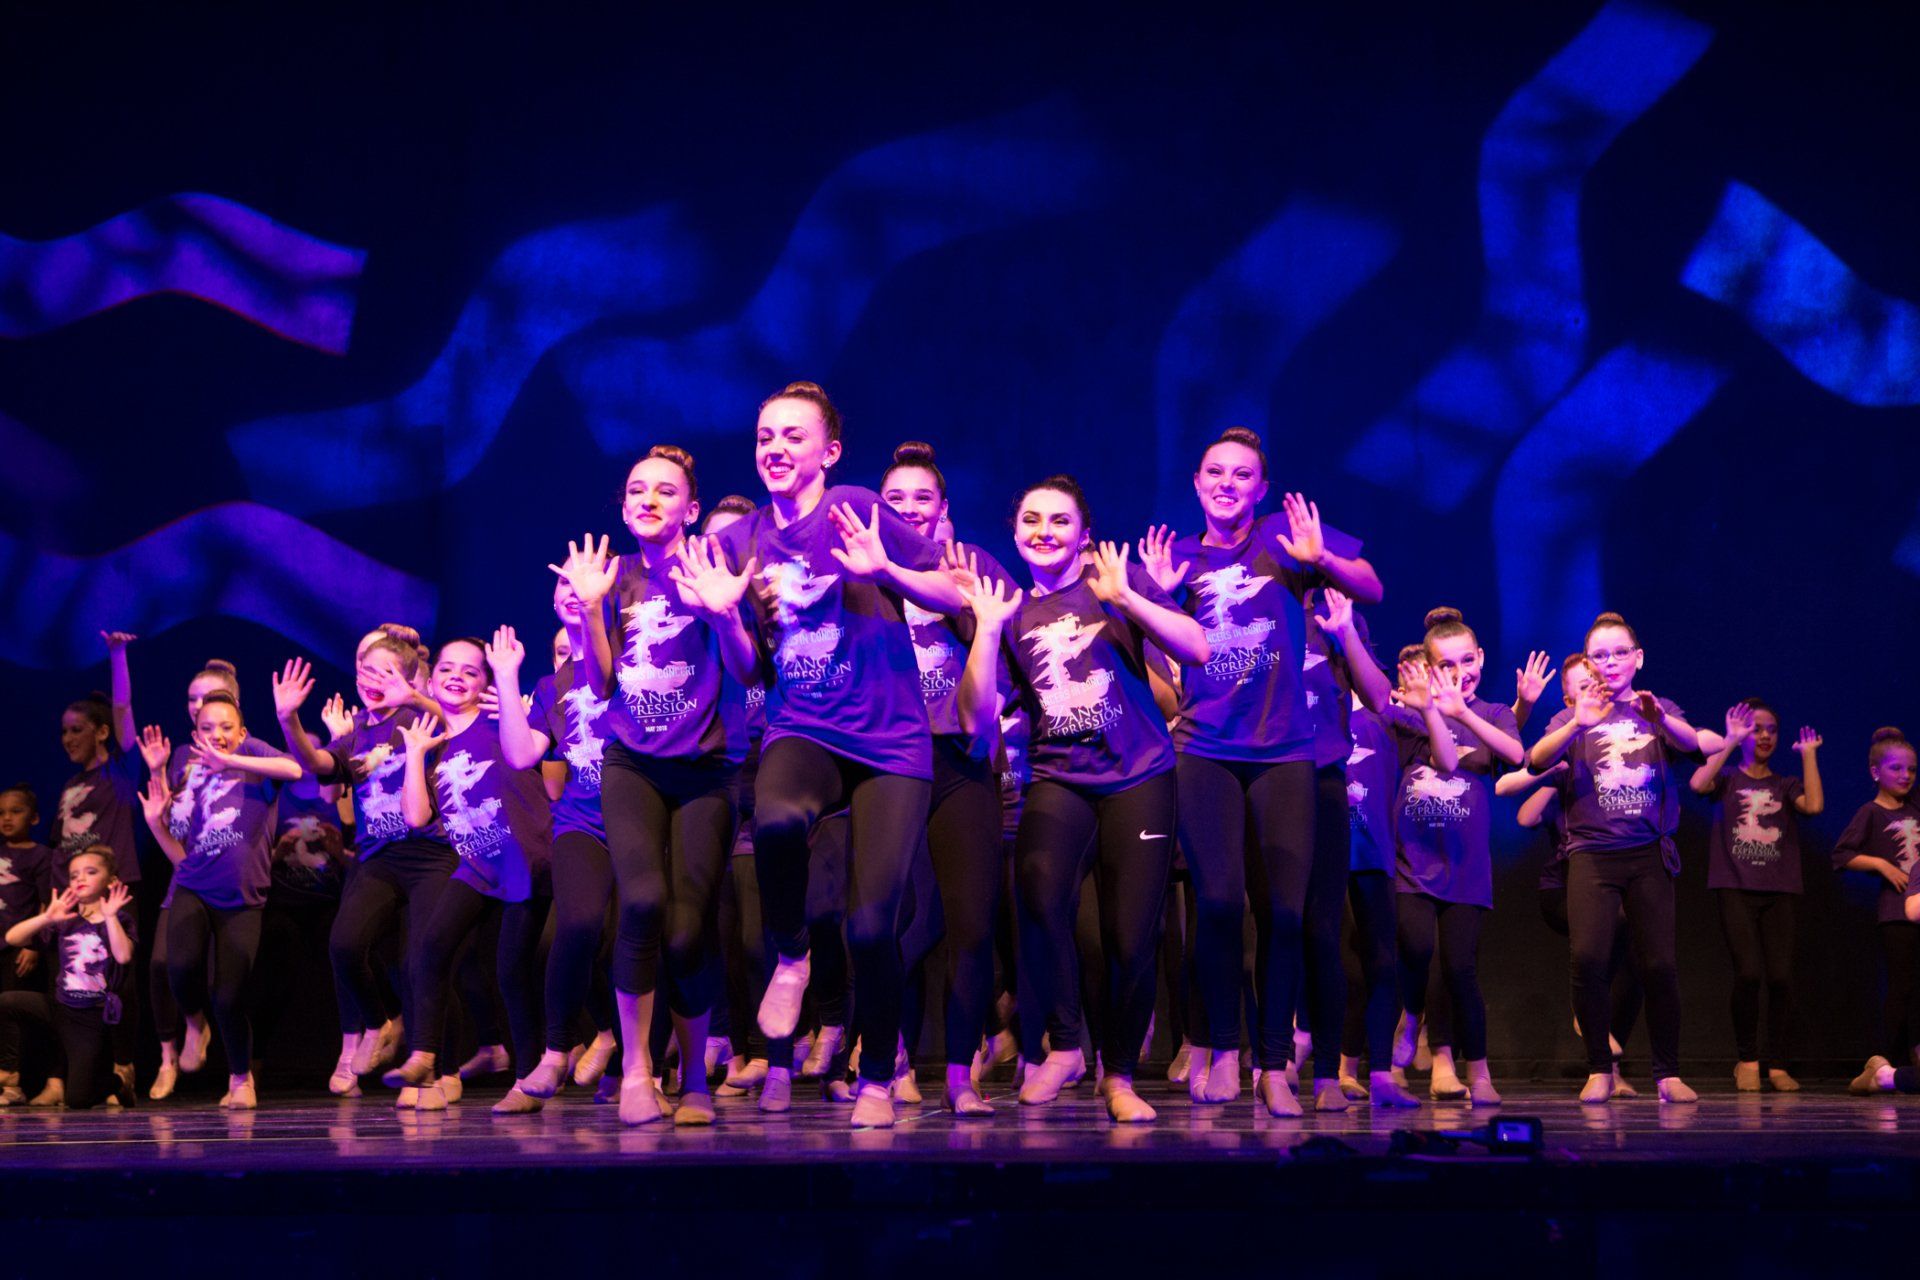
589	569
861	550
705	582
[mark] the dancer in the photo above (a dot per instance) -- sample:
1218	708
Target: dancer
1622	810
1247	755
1883	838
1753	868
1103	790
497	819
218	831
26	881
1444	860
964	819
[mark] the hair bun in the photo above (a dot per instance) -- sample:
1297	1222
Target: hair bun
1609	619
675	454
223	666
913	453
1445	613
1890	733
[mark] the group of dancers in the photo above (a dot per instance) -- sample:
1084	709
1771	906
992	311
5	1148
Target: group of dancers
786	748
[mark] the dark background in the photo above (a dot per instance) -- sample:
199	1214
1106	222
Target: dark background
1080	240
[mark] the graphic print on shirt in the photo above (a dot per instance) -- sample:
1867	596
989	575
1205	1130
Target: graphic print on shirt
474	829
305	840
805	658
1620	787
86	961
180	812
1071	706
1754	842
76	829
1311	661
1433	798
935	659
1239	648
653	692
382	816
1356	789
1906	841
6	871
583	749
217	829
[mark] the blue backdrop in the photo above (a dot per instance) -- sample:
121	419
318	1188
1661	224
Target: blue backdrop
310	324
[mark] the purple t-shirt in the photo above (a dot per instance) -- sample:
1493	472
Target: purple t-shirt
1443	819
668	691
26	882
496	816
373	758
844	669
1620	792
307	844
1893	834
100	806
226	824
1756	837
577	723
940	645
1328	684
83	966
1079	672
1248	701
1373	782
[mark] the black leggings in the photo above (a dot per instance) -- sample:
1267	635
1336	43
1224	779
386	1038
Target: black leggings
582	896
1759	933
1322	995
1455	927
406	876
800	782
743	950
460	912
233	937
1249	826
1600	885
166	1012
1900	1012
1623	984
10	980
830	984
963	839
669	830
1370	1023
85	1040
1128	838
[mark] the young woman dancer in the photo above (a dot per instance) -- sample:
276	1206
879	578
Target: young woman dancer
1247	756
674	669
1883	838
1103	790
218	831
963	824
87	933
399	868
497	818
1443	817
846	725
1623	807
1753	868
567	721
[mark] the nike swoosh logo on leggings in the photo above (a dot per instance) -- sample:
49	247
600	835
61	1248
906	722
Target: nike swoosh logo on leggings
1145	836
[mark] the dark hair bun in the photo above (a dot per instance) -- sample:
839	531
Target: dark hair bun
675	454
223	666
1244	436
1609	619
1889	734
1444	613
913	453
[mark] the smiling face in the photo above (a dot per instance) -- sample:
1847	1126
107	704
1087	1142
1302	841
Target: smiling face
197	690
566	603
914	494
1229	483
658	504
562	648
1048	532
89	875
16	816
81	738
790	446
1461	656
459	676
1894	773
1615	656
219	724
1766	735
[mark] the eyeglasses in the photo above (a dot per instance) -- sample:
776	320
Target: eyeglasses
1612	655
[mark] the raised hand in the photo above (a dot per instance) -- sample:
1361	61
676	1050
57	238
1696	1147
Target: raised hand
1109	581
489	703
1339	613
117	640
991	609
156	799
117	898
1809	741
505	654
1591	707
1530	681
861	551
1156	557
337	717
589	569
64	906
291	686
422	735
389	687
1739	722
209	757
1446	694
704	581
1416	686
1649	708
962	564
155	749
1303	539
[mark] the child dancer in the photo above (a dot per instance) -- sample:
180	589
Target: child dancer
1884	838
222	857
1753	868
26	881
